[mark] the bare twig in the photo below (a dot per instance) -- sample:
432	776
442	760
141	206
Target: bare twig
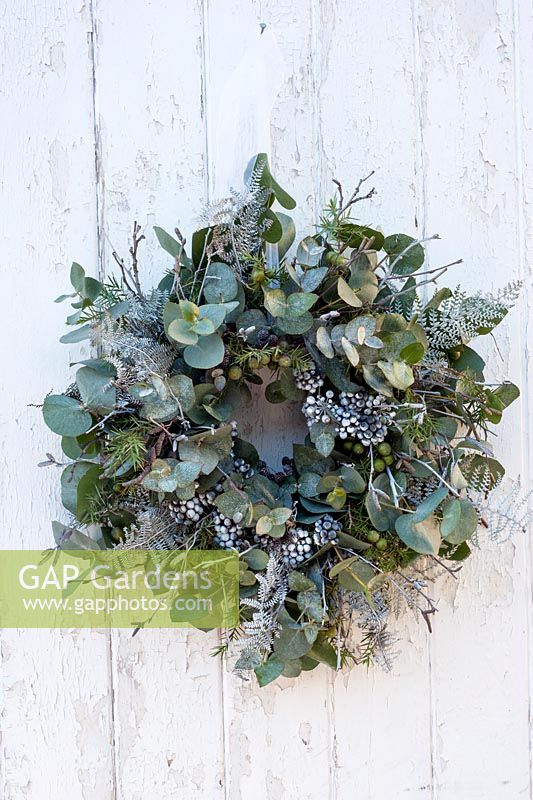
136	240
354	198
425	272
124	271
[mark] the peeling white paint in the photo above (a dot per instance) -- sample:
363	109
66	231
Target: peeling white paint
107	113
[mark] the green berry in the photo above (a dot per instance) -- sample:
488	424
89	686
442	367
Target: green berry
335	259
358	449
379	465
384	449
235	373
381	544
346	445
373	536
285	361
265	359
258	276
254	362
389	460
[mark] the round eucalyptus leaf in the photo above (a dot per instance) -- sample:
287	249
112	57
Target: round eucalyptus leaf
220	284
206	354
66	415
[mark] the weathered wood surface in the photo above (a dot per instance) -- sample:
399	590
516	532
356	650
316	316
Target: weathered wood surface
109	113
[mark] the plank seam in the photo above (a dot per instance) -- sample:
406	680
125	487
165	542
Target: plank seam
97	143
204	78
316	130
420	227
113	705
3	768
99	202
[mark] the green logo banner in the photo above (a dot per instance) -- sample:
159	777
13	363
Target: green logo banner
119	589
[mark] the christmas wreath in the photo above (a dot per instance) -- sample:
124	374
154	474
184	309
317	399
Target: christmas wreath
393	479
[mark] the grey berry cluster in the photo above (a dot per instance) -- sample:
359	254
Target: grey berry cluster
361	414
365	415
188	512
326	530
296	546
243	467
228	533
309	381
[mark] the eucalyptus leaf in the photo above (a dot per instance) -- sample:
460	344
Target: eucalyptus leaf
288	234
459	520
405	255
80	334
268	671
206	354
398	373
311	278
347	294
256	559
233	502
299	582
296	325
291	643
201	452
422	537
168	242
311	604
309	252
375	378
95	389
70	478
66	415
323	342
350	351
220	284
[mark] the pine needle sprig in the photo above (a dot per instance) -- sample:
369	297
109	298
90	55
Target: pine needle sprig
111	294
126	446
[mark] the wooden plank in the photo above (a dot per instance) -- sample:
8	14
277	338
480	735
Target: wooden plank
150	107
278	737
369	120
479	653
523	102
150	124
56	715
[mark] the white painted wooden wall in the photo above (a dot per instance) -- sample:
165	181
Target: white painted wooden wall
105	118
